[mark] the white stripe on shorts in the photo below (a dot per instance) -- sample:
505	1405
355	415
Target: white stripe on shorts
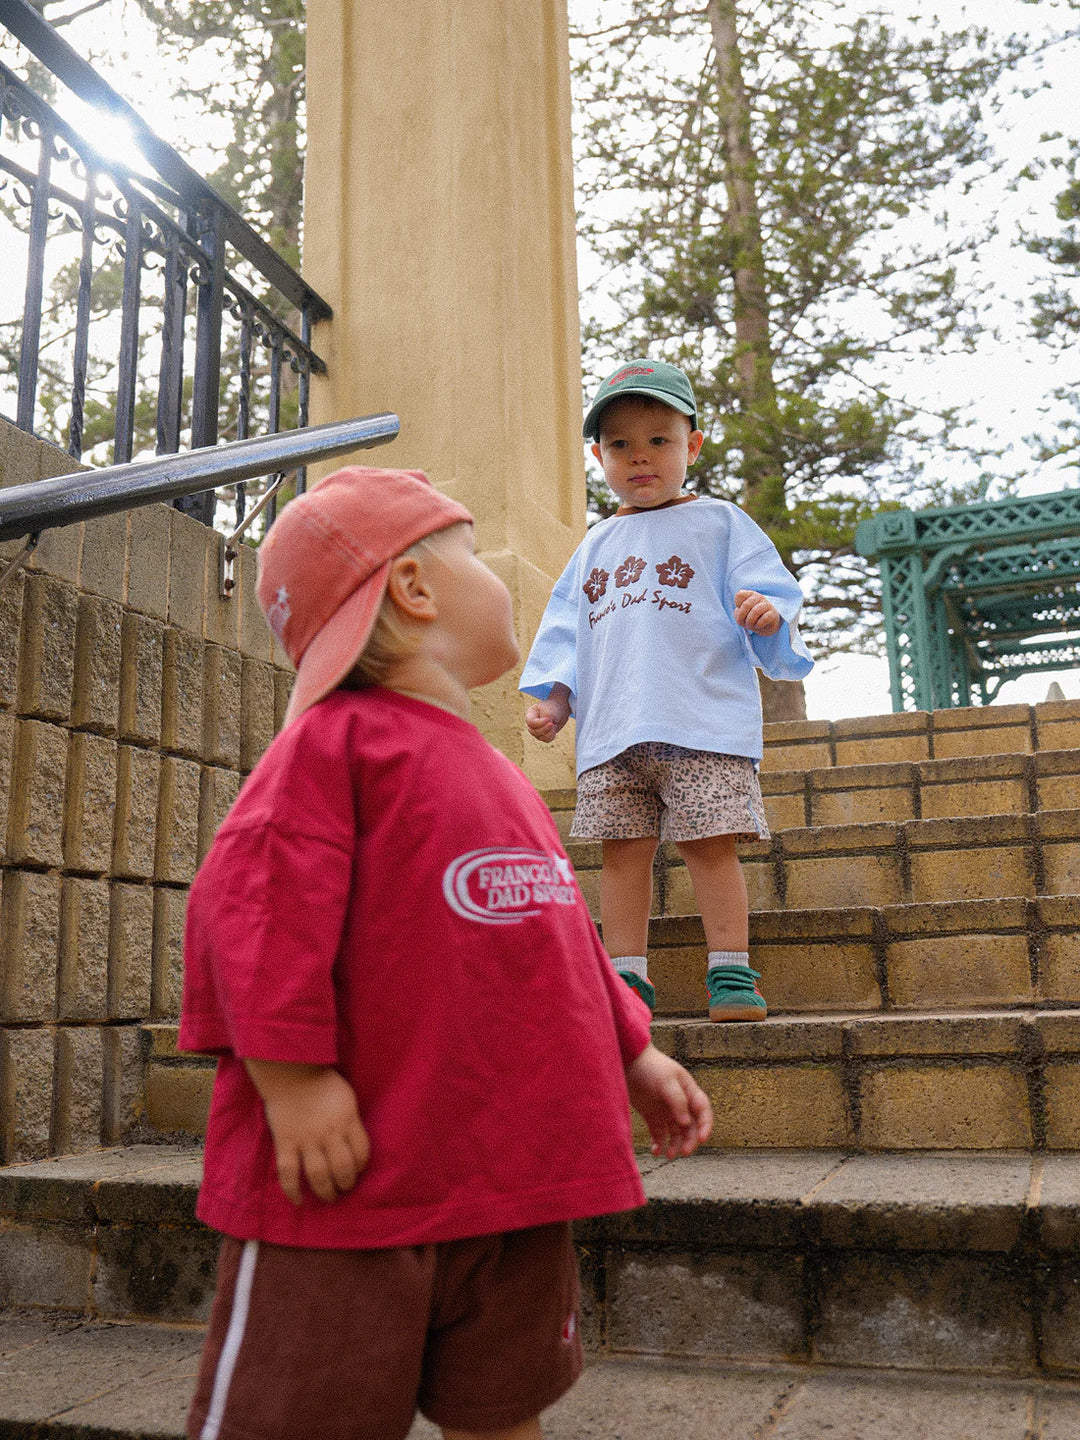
234	1337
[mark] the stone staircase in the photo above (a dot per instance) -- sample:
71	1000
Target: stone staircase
894	1178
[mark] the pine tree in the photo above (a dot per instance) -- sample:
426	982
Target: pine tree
746	172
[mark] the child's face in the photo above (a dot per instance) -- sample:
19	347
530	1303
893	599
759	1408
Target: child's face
645	447
475	622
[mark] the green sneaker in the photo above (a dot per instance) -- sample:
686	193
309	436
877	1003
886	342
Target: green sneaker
733	993
643	988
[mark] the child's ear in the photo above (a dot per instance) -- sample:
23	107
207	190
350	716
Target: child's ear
597	452
408	587
697	439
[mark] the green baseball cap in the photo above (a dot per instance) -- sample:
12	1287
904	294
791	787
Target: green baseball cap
655	378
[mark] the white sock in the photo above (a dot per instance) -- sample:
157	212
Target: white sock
635	964
727	957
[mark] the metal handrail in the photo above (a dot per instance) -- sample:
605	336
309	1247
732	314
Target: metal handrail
66	500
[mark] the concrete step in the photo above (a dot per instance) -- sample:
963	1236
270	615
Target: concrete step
133	1382
909	862
940	1261
921	735
986	1080
952	954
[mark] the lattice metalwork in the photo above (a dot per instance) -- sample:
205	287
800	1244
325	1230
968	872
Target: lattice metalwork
974	595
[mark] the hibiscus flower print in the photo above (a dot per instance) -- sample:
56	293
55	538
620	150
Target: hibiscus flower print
675	572
629	572
596	584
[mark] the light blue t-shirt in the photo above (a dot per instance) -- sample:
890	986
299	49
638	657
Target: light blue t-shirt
641	630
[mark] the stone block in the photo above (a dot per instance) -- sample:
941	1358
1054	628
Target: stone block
882	749
256	712
47	662
104	556
1061	867
843	880
187	572
144	1270
988	797
217	791
45	1265
1061	1329
82	982
911	1106
972	874
27	1062
221	618
822	975
221	707
1058	734
36	804
283	682
796	757
732	1306
122	1102
78	1090
984	730
1063	1105
950	1036
182	693
840	839
30	928
20	456
167	968
253	631
149	532
90	803
178	1097
861	806
1058	792
944	1312
96	701
131	937
11	611
781	1106
138	779
785	811
7	761
953	970
1059	967
178	821
784	1038
142	643
58	553
795	732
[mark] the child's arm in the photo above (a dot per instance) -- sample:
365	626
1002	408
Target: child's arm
754	612
670	1101
547	717
316	1128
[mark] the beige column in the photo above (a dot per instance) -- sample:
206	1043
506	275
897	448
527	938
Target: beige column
439	224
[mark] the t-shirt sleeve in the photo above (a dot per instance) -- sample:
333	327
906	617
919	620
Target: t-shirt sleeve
782	656
265	920
553	657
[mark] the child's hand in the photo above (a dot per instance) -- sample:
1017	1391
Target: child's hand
670	1101
317	1132
755	613
547	717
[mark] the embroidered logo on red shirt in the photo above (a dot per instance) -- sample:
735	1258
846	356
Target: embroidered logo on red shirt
504	887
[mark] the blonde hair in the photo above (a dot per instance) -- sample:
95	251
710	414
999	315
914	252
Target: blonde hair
393	636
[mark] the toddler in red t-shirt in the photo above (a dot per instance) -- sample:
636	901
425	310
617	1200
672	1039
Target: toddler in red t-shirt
424	1054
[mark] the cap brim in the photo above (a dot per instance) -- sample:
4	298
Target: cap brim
591	429
338	645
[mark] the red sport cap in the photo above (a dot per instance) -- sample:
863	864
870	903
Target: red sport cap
324	564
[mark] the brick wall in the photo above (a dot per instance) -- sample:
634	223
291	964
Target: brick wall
133	700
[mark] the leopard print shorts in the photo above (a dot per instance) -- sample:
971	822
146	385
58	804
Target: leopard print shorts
665	790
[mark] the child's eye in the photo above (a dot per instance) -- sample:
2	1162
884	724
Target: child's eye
660	440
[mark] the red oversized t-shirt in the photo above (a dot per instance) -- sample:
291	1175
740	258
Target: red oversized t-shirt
389	896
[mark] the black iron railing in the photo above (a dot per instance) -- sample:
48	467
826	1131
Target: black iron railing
211	332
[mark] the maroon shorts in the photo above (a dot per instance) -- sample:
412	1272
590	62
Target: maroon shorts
478	1334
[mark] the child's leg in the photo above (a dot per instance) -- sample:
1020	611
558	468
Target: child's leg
626	895
529	1431
720	890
